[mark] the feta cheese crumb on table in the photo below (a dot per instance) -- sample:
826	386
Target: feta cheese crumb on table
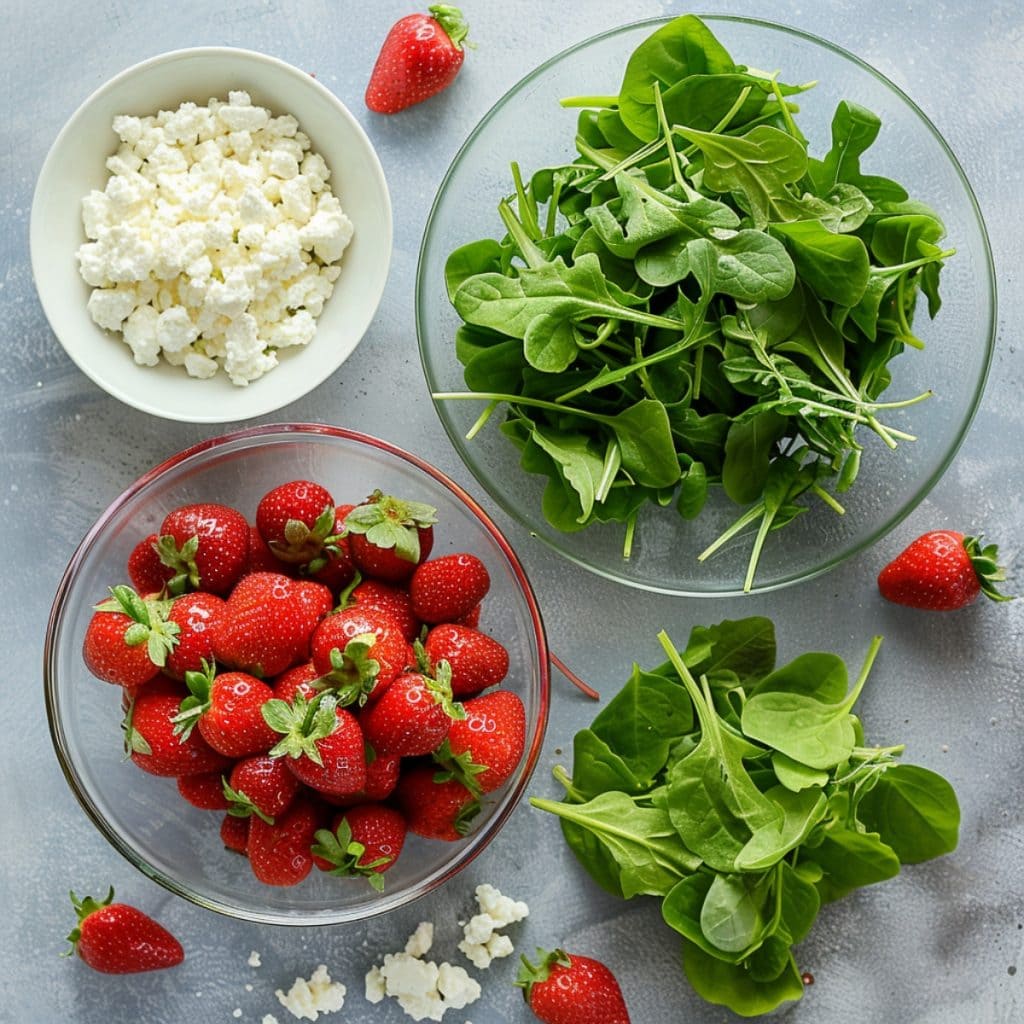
424	989
307	999
216	240
254	959
482	941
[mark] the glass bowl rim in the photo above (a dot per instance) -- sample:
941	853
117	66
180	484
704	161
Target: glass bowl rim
548	535
475	843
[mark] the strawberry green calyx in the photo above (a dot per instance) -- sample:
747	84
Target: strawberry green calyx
353	671
150	625
453	22
83	908
301	724
439	686
531	974
308	545
241	806
134	741
182	560
389	522
341	851
461	767
197	703
986	567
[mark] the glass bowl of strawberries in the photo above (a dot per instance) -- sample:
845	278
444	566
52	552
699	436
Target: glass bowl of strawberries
296	675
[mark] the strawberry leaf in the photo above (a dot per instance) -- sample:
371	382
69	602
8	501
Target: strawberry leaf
301	723
241	805
353	672
134	741
986	566
390	522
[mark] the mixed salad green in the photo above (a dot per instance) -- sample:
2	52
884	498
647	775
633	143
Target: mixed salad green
744	796
695	300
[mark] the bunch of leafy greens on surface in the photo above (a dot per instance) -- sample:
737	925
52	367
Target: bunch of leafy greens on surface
695	300
743	795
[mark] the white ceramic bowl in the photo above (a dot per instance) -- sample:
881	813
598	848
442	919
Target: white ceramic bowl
76	164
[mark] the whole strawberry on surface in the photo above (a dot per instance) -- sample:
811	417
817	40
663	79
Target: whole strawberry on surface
115	938
942	570
565	988
420	56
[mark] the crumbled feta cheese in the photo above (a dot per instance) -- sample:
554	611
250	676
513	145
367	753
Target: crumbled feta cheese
255	960
424	989
481	939
220	221
307	999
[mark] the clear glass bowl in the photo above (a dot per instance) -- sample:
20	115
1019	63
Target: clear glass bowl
528	126
143	816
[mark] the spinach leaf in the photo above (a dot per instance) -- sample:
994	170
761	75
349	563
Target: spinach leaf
801	811
914	810
796	711
683	47
712	801
851	859
640	840
835	266
749	449
735	915
733	985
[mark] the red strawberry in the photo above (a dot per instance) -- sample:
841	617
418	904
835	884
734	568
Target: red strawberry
485	748
260	785
321	741
381	778
359	653
197	616
447	588
152	742
206	544
571	989
268	621
392	600
234	833
435	809
147	572
280	852
942	571
299	679
261	558
389	537
412	716
204	791
227	707
115	938
420	56
477	660
295	519
128	638
364	840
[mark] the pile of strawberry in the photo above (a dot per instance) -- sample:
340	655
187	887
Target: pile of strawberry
315	676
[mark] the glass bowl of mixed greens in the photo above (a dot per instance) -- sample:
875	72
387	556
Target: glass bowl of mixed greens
715	323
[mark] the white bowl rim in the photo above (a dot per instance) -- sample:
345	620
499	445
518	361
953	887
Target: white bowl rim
273	398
